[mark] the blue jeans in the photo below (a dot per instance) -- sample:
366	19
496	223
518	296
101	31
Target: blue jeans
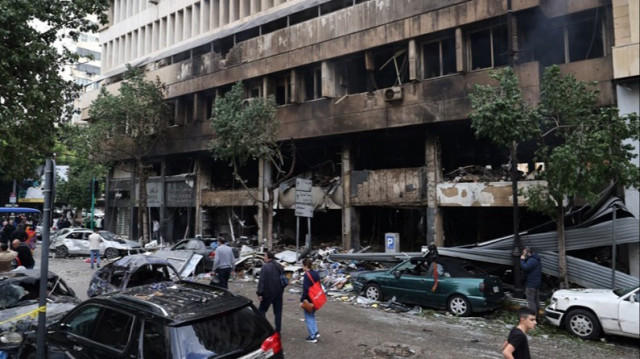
310	320
95	253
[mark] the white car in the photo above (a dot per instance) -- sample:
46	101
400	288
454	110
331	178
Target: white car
75	241
589	313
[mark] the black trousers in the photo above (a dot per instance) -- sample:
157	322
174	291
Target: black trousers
223	277
277	308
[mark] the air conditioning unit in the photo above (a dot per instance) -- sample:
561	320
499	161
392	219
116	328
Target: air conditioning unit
393	93
247	101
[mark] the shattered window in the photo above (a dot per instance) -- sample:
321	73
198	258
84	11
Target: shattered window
82	322
489	47
439	57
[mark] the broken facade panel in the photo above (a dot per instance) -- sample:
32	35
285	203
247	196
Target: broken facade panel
376	89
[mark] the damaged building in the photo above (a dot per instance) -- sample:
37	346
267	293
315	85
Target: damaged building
374	94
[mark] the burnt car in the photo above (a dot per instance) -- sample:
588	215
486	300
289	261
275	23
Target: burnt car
202	246
447	283
19	297
131	271
163	320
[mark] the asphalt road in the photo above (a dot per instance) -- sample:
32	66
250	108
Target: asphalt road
352	331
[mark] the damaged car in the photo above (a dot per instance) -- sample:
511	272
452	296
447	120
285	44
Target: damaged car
163	320
589	313
449	284
19	303
131	271
76	242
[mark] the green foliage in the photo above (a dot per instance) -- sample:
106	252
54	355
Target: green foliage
582	146
500	113
128	124
73	151
244	131
33	94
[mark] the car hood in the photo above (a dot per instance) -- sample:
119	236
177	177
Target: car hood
583	293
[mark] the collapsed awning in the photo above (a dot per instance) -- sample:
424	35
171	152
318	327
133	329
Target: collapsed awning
597	230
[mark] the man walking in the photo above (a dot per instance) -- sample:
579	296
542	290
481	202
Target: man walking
531	264
223	264
94	247
517	344
270	289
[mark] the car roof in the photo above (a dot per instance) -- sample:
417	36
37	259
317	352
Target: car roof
178	302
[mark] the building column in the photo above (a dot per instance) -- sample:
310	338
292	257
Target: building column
202	182
413	60
459	50
435	233
265	179
350	217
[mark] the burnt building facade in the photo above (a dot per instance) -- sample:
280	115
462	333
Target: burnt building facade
374	94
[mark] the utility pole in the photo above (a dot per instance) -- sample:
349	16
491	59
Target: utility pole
49	178
517	245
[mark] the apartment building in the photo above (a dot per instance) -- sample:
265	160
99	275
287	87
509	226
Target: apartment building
374	94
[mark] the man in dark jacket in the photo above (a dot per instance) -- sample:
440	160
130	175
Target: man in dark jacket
531	264
270	289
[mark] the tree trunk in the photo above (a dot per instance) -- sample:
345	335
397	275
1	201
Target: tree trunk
562	248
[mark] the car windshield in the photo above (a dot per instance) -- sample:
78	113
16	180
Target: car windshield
623	291
240	331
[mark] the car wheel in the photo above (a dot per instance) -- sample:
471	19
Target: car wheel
459	306
582	323
62	251
111	253
373	292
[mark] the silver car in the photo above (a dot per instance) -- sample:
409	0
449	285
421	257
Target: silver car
76	242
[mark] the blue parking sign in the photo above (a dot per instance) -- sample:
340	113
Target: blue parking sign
391	242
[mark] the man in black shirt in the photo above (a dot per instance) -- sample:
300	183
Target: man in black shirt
24	254
517	345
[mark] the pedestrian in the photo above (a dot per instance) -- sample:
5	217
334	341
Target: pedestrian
309	318
20	233
7	257
24	254
156	230
531	264
517	345
270	289
223	264
94	247
7	231
99	223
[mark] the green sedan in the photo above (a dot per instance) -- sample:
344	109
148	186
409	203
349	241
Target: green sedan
456	286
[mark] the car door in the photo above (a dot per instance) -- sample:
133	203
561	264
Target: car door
74	242
85	243
72	332
629	313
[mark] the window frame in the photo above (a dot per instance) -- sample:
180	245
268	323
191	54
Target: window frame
491	29
439	41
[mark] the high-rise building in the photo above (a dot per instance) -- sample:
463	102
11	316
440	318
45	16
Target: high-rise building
374	93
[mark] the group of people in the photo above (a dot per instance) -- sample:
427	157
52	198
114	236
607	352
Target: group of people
270	288
17	242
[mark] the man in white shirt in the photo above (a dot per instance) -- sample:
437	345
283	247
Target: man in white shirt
94	247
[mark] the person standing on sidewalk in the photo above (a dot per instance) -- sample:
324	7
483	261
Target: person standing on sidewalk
223	264
517	345
270	289
531	264
94	247
309	318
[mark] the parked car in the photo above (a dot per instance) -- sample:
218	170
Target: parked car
461	288
76	242
19	296
131	271
163	320
589	313
203	246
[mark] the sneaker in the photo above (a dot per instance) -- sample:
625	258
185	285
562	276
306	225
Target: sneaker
312	339
317	335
